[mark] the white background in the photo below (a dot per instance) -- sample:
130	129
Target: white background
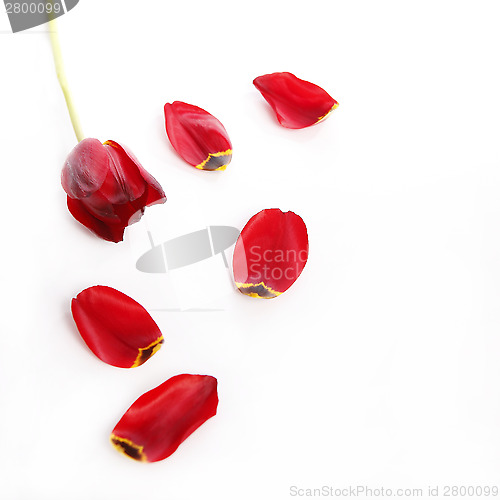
380	366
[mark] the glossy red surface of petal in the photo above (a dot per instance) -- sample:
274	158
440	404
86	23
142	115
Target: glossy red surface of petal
105	230
270	253
99	205
161	419
154	193
129	183
108	187
116	328
297	103
85	169
197	136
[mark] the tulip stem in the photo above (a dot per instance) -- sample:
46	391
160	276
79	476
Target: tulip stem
61	76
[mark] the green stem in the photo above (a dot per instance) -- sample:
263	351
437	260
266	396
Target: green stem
61	76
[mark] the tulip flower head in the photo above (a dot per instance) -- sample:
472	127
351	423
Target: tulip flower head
107	188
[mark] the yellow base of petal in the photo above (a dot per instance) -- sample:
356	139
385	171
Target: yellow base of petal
244	288
201	166
146	352
321	118
128	448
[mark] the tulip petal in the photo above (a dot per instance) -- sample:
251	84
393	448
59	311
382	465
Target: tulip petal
197	136
297	103
129	183
270	253
155	194
161	419
107	188
85	169
105	230
116	328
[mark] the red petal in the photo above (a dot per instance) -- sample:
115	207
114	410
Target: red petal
85	169
155	194
161	419
108	187
116	328
270	253
105	230
297	103
128	182
197	136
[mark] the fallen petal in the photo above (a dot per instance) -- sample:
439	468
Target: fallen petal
297	103
197	136
270	253
116	328
161	419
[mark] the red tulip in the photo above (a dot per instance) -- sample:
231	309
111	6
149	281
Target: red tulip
116	328
107	188
161	419
197	136
297	103
270	253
